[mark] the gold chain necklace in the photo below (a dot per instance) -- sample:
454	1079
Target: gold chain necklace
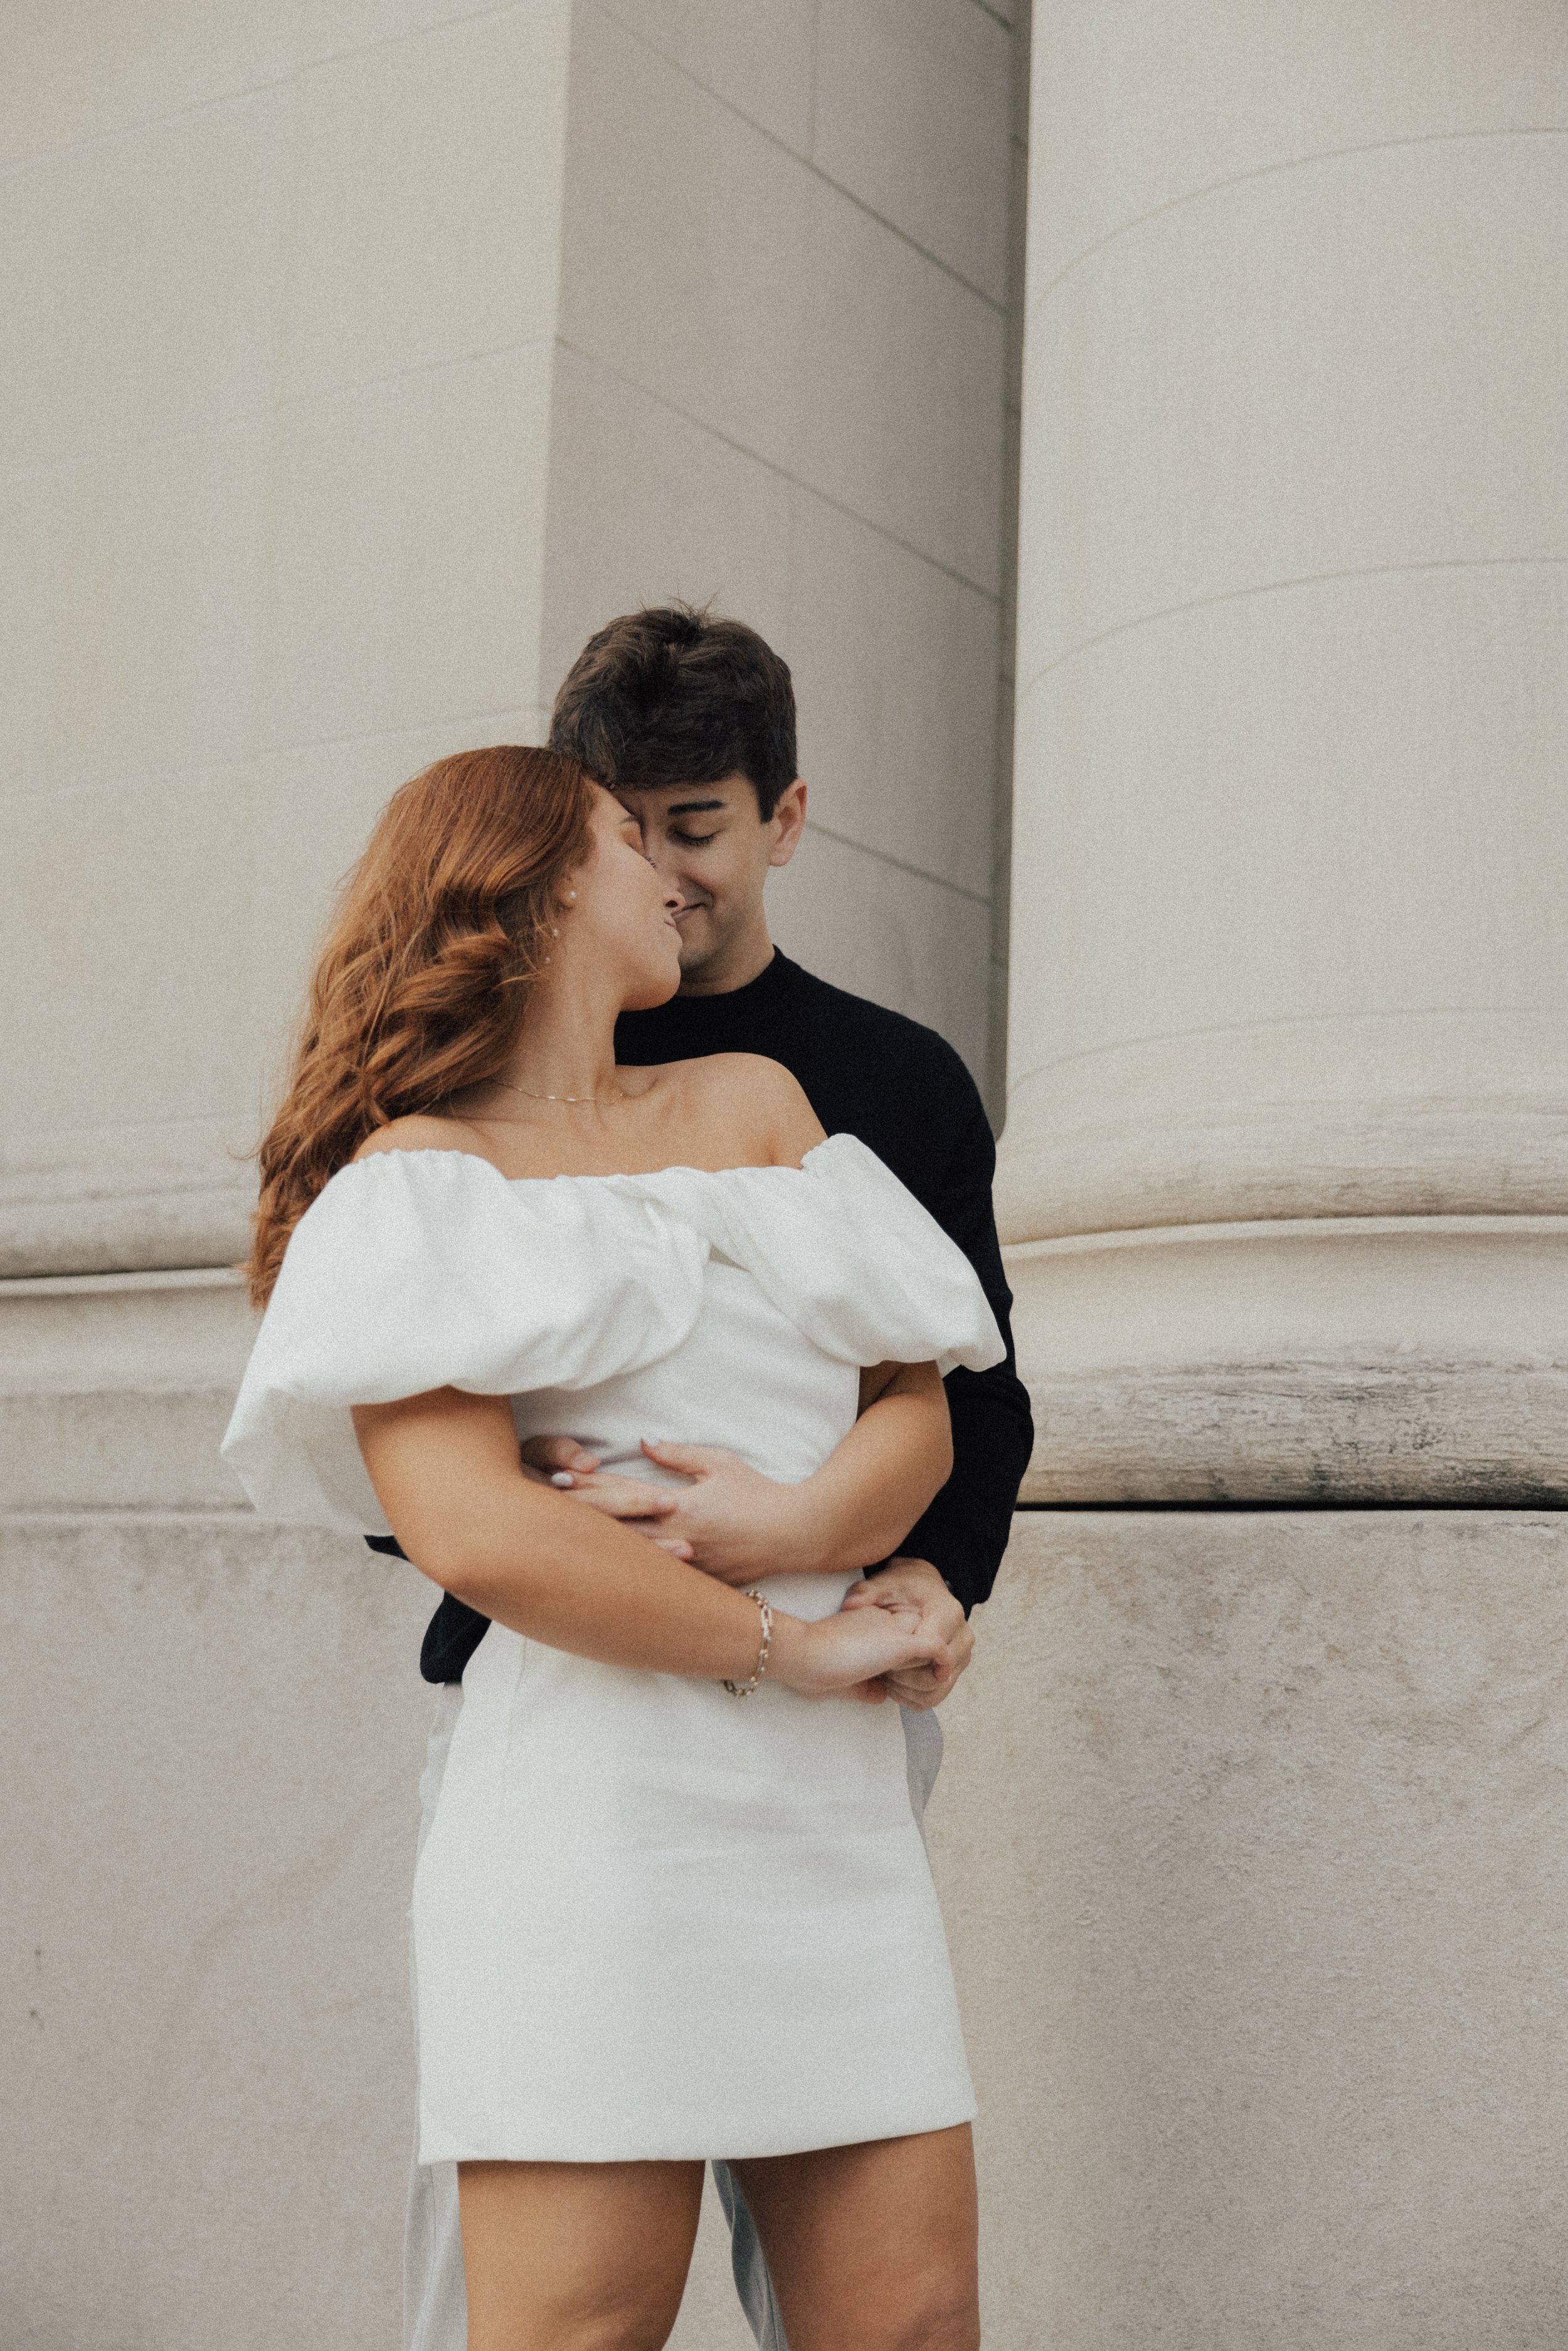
511	1089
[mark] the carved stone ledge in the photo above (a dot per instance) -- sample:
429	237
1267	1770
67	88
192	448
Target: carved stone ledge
1348	1361
115	1390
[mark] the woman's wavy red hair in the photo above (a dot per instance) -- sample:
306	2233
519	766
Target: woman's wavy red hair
421	984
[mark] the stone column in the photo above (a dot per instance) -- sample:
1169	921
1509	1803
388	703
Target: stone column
1284	1180
1289	959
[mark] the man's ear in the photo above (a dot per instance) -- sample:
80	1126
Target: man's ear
789	820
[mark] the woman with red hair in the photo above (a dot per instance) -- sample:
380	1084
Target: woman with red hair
651	1925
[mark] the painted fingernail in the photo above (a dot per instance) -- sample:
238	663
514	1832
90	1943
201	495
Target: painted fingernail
562	1477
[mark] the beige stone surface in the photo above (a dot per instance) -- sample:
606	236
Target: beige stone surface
1300	853
1150	107
894	666
275	483
117	63
1304	375
171	238
1289	837
136	972
1249	1844
1351	784
408	524
156	551
792	322
368	359
211	1765
757	56
912	117
1360	1358
1248	1838
424	187
647	504
1401	1112
115	1391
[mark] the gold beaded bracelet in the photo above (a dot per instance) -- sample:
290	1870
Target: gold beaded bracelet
745	1689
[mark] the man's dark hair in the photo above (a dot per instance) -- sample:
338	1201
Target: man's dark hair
669	696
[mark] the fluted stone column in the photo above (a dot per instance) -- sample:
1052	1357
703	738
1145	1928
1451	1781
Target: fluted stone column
1289	958
1289	1068
1284	1183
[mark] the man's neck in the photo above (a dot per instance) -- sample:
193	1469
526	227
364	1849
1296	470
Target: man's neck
736	965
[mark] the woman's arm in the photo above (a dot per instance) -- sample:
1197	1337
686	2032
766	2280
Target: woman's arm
445	1468
853	1511
737	1524
895	1459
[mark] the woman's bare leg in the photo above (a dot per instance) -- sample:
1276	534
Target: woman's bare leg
576	2256
872	2247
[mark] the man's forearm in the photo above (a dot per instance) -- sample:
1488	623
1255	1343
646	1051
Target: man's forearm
965	1531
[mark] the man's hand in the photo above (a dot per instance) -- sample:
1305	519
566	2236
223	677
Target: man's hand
915	1582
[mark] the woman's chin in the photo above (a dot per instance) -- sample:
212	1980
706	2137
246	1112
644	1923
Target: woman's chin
652	988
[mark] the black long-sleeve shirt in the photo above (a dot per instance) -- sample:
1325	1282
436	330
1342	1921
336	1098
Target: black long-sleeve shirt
904	1091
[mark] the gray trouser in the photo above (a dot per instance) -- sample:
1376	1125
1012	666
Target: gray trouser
434	2304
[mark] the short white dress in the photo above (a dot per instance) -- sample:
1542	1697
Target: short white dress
650	1920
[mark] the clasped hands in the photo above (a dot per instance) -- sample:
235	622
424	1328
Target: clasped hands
738	1526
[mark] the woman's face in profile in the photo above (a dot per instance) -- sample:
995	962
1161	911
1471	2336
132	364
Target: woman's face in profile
624	915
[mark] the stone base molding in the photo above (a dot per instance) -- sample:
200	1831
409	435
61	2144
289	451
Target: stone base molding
143	1200
115	1390
1384	1115
1350	1359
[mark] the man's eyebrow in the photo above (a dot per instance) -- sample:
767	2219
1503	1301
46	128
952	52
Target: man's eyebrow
693	808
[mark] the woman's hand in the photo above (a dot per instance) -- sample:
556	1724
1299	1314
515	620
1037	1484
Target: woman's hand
728	1518
639	1505
446	1472
847	1656
738	1526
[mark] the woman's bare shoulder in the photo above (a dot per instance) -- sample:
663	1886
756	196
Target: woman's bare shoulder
759	1100
423	1132
755	1072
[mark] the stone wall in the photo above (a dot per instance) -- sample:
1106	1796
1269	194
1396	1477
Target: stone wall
368	361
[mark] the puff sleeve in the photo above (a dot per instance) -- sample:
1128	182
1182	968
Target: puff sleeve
414	1270
844	1250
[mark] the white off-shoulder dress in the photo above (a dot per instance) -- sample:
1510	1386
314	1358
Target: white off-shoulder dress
648	1920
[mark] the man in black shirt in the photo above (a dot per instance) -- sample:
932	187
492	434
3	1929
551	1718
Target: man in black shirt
691	721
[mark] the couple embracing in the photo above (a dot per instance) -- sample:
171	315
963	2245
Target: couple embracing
643	1291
